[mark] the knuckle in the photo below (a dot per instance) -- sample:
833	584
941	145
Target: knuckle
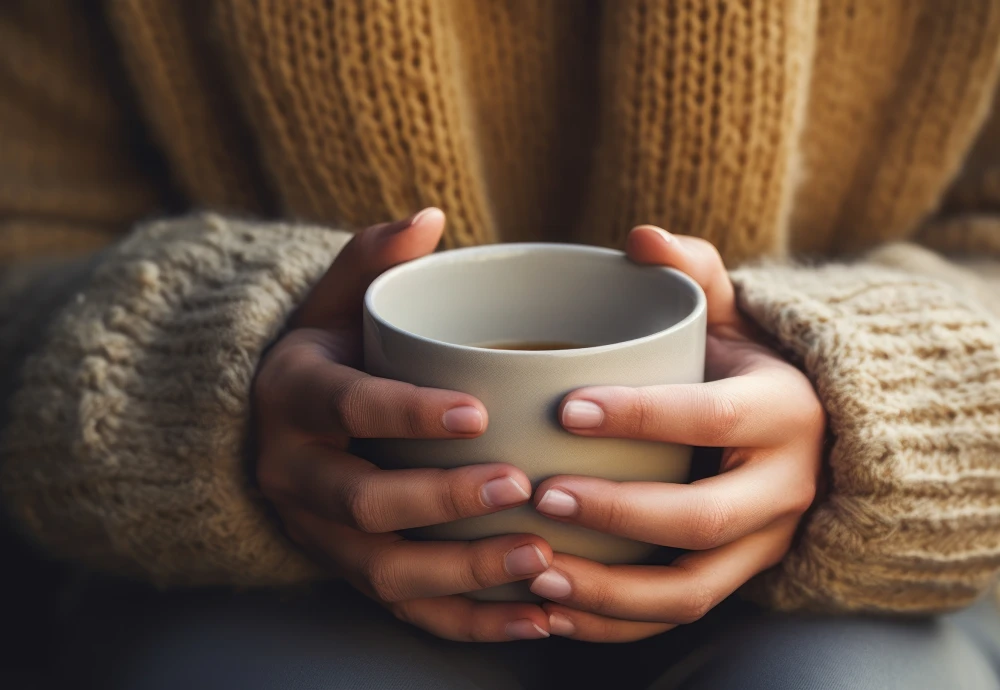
711	525
454	500
363	508
642	414
814	415
279	367
618	516
403	611
414	417
604	631
602	596
723	417
478	629
698	601
809	412
802	498
350	408
478	571
384	577
266	382
708	252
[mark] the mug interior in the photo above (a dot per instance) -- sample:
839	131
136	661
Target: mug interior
532	293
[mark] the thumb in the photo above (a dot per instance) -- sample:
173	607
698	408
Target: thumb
697	258
337	298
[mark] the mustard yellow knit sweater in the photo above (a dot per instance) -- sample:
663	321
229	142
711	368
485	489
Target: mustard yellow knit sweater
842	131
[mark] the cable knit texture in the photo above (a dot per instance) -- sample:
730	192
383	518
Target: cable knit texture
908	369
125	449
770	127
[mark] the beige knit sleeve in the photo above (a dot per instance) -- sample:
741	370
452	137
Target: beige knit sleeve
125	442
908	369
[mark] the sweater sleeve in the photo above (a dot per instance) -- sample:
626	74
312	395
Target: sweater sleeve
905	356
124	442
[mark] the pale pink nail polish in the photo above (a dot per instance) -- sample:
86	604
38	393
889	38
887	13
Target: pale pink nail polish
664	235
582	414
561	625
525	560
525	630
423	215
557	503
503	492
551	585
463	420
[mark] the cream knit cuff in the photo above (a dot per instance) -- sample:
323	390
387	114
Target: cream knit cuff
908	369
125	447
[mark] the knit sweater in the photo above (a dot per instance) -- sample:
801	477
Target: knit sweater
815	143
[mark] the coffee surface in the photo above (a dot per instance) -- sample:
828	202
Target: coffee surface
534	345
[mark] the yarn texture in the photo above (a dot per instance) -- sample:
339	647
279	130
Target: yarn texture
843	156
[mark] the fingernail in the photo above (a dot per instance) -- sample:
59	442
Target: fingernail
503	492
525	560
582	414
664	235
525	630
551	585
422	215
561	625
557	503
463	420
396	226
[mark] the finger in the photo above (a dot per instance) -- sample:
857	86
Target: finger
337	297
327	398
697	258
702	515
678	594
463	620
590	627
345	488
762	408
391	569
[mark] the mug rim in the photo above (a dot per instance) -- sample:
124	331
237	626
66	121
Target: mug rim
451	256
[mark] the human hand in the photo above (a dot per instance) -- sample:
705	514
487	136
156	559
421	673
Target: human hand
758	407
310	400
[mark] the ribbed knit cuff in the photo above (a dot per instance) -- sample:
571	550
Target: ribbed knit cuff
125	444
908	369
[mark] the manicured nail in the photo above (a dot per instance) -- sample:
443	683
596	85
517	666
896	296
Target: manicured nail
561	625
664	235
525	630
463	420
525	560
557	503
503	492
396	226
551	585
423	215
582	414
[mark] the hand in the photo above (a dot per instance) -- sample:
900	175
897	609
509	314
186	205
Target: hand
756	406
310	400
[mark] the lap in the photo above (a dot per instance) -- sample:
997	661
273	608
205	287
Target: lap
334	638
264	641
772	652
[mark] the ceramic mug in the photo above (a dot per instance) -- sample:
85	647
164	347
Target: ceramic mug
426	322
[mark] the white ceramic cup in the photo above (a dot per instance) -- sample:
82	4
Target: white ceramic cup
425	320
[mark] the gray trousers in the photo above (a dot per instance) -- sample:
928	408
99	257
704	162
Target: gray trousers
334	638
